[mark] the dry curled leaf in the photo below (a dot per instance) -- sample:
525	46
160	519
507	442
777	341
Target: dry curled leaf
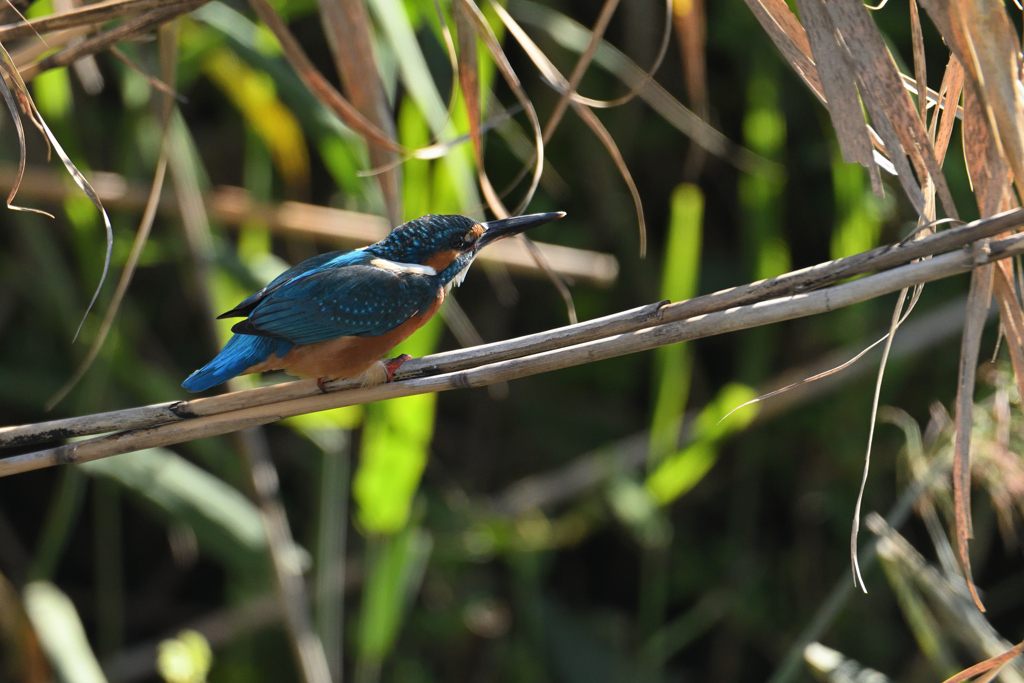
21	90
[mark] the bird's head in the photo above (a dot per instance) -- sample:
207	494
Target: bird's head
450	243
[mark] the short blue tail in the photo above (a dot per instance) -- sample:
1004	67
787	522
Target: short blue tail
240	353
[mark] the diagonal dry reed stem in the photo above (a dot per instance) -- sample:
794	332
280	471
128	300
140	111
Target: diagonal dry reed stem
795	282
568	354
99	13
144	23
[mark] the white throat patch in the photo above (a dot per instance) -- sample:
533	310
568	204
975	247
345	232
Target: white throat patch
459	277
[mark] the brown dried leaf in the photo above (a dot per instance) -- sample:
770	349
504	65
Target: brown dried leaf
886	97
943	15
690	20
638	82
977	310
790	38
483	29
995	664
982	36
990	178
931	97
839	82
329	95
100	42
568	94
573	36
469	77
994	43
94	14
952	85
889	139
920	68
986	166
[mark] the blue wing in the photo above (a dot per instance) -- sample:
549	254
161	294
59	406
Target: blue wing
354	300
332	259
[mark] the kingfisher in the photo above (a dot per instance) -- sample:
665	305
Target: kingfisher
338	314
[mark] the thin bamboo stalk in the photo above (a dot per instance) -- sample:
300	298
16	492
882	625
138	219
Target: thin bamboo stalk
699	326
792	283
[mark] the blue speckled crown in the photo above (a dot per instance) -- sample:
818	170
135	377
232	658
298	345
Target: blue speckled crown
418	240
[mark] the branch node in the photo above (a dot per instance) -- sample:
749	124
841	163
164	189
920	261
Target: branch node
182	409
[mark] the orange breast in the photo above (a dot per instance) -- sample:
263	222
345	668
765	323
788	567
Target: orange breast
345	356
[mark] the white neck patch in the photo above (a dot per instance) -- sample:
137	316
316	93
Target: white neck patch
409	268
459	277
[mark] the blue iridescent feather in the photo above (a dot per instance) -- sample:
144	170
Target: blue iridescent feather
241	352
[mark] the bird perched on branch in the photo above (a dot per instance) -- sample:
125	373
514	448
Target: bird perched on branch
336	315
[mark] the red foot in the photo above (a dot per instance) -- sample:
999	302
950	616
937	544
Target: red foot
320	385
391	365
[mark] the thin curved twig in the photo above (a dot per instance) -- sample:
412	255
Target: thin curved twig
559	83
141	237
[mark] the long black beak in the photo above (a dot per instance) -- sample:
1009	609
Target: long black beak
506	227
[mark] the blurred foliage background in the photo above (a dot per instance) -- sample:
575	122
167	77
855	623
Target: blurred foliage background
560	528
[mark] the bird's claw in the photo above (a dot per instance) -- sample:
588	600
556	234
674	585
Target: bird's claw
391	365
320	385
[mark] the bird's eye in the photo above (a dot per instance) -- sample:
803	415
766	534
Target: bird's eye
463	241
